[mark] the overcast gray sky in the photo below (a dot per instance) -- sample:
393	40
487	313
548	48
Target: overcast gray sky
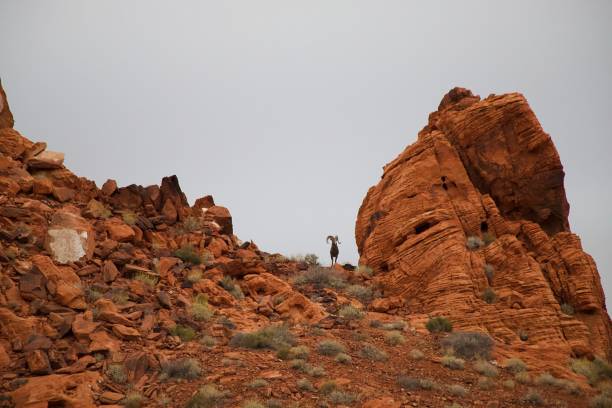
286	111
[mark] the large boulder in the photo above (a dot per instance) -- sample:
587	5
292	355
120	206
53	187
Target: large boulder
70	237
476	209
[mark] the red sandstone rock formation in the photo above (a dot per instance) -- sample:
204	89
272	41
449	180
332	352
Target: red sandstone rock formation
484	169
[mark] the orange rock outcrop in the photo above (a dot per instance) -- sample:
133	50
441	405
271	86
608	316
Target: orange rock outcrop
476	209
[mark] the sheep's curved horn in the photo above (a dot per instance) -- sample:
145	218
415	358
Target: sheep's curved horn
328	238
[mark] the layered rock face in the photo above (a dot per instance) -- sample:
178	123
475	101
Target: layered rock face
475	209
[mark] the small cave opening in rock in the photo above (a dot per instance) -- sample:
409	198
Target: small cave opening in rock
484	226
384	267
444	186
424	226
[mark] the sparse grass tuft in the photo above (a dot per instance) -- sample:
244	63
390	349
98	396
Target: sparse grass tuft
515	365
439	324
452	362
410	383
208	341
272	337
316	371
207	396
200	309
603	400
321	277
489	296
92	294
232	287
342	397
394	338
187	253
371	352
330	348
116	372
191	224
595	371
363	293
147	279
416	354
133	400
298	352
485	383
509	384
546	379
120	297
522	377
258	383
186	333
364	270
194	275
185	368
298	364
398	325
350	312
327	387
485	368
458	390
474	243
468	345
252	404
343	358
567	309
304	384
311	259
489	272
533	398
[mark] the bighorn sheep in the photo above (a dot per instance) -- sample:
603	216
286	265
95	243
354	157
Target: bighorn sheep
334	251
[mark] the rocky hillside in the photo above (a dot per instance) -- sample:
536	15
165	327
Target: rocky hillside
129	296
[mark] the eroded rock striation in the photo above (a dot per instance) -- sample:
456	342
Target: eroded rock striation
475	209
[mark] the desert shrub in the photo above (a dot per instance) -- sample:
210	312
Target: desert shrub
207	396
416	354
452	362
274	403
522	377
298	352
129	217
428	384
146	278
298	364
371	352
200	309
485	368
185	333
120	297
258	383
533	398
185	368
516	365
485	383
489	272
394	338
311	259
474	242
454	405
363	293
330	348
194	275
360	336
187	253
567	309
116	372
468	345
439	324
594	371
316	371
321	277
398	325
252	404
342	397
92	294
509	384
488	295
546	379
232	287
327	387
375	324
364	270
343	358
272	337
408	383
191	224
207	341
350	313
457	390
133	400
304	384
